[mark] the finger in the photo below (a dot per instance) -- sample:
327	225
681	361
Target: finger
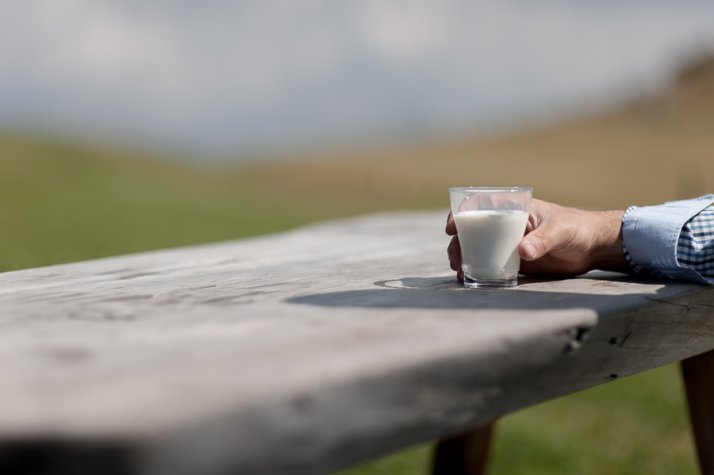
538	242
454	251
531	224
535	215
450	225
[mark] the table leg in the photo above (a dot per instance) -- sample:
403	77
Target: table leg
698	373
463	454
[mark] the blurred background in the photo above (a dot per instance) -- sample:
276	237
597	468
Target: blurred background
127	126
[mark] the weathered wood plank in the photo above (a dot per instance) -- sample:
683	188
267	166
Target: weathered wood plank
326	345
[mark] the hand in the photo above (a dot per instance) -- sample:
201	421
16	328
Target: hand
561	241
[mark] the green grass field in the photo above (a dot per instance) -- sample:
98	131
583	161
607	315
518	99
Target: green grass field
62	203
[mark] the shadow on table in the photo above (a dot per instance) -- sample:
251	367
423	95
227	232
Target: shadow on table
599	292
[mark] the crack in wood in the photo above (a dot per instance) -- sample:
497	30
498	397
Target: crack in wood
137	275
675	304
627	335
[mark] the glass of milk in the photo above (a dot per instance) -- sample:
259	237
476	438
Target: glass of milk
490	223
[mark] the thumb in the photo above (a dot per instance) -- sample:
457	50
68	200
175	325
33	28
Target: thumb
537	243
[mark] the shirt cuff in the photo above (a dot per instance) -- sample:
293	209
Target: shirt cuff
650	235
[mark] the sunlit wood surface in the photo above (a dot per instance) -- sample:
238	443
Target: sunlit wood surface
306	351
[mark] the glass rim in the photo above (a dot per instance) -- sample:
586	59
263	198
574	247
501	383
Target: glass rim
491	189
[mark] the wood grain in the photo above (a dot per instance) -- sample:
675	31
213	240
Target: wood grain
308	351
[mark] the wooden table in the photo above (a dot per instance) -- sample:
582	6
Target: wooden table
309	351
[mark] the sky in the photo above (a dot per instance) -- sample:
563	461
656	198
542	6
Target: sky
232	78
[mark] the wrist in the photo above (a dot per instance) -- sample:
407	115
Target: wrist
607	252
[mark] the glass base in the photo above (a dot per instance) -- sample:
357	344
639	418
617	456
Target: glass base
490	283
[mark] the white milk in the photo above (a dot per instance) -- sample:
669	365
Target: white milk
489	242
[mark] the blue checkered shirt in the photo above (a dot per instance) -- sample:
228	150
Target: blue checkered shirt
695	247
674	240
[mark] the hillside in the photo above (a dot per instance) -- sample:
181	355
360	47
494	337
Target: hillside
652	150
61	202
65	202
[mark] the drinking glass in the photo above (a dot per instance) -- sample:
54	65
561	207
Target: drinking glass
490	223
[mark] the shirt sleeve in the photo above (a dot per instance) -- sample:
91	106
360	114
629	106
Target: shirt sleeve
675	239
